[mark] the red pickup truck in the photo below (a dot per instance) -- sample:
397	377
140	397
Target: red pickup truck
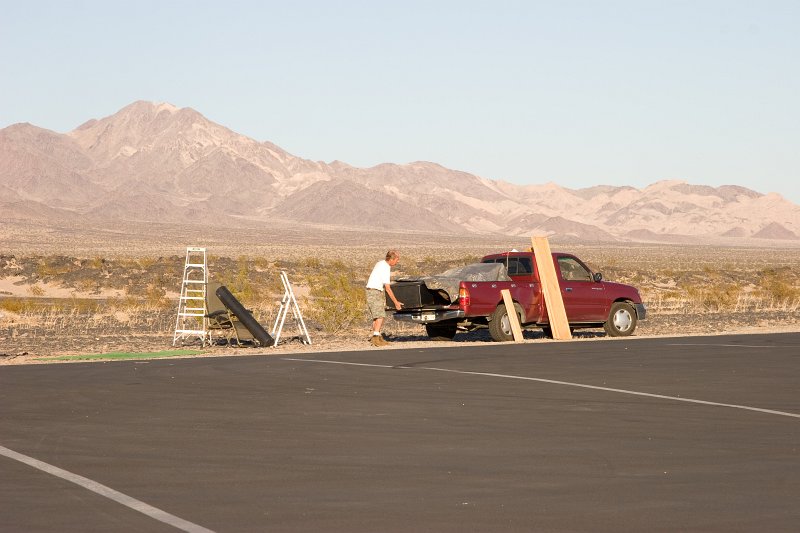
590	302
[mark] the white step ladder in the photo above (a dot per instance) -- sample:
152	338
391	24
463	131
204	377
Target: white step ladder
192	321
289	302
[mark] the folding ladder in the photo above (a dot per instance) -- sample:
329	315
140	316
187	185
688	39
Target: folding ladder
289	302
192	321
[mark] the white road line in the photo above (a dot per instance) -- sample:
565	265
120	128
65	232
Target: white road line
102	490
567	383
719	345
343	363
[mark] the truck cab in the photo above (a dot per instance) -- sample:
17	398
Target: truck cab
583	291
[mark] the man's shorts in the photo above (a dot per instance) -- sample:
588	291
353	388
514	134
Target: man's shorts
376	303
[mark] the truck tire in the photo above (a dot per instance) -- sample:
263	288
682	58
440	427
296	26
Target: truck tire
441	332
621	321
499	325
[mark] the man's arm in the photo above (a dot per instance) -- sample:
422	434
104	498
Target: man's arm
397	304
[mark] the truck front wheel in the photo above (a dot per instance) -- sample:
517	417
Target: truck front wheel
500	326
441	332
621	320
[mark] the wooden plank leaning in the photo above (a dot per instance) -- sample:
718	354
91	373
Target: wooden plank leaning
513	319
556	312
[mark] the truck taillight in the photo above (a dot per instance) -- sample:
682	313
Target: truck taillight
463	297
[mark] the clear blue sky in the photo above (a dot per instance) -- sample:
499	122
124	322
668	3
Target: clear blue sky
577	92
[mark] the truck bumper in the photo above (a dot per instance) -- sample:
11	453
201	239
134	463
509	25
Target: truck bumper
641	311
429	317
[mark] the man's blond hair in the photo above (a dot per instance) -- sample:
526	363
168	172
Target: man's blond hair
392	254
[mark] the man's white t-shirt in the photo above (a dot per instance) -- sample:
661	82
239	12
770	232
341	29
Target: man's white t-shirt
381	275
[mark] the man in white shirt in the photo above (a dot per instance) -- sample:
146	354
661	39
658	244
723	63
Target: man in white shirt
378	286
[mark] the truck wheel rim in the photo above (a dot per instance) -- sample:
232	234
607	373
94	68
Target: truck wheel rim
505	325
622	320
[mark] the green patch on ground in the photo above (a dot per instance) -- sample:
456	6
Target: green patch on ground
124	355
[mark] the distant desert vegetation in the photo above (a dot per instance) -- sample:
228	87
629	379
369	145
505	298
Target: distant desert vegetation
105	291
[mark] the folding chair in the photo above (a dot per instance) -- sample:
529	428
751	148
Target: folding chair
221	320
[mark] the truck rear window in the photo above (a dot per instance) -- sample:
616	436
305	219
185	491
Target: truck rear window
516	266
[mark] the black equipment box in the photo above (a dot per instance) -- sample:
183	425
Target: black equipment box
411	294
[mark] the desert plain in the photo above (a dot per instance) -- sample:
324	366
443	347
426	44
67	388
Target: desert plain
89	291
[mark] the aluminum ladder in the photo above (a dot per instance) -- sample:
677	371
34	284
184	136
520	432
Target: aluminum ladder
289	302
192	320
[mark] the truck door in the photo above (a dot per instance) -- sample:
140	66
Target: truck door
583	297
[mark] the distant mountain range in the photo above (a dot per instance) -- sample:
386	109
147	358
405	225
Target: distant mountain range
158	163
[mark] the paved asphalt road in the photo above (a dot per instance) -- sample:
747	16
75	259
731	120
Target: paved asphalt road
608	435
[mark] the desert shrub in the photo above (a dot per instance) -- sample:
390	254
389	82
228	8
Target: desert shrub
240	283
46	307
52	266
272	284
337	301
145	263
96	263
156	296
36	290
724	296
261	264
14	305
778	286
78	305
122	303
88	285
714	296
311	264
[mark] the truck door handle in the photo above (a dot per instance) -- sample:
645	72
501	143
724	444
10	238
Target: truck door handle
568	289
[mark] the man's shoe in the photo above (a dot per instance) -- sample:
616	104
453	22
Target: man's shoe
377	340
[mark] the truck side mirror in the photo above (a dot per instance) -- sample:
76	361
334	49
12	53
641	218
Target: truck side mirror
598	277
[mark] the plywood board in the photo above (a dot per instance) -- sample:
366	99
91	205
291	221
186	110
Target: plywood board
513	319
548	277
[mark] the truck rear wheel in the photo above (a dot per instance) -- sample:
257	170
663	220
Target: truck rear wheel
441	332
621	320
500	326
